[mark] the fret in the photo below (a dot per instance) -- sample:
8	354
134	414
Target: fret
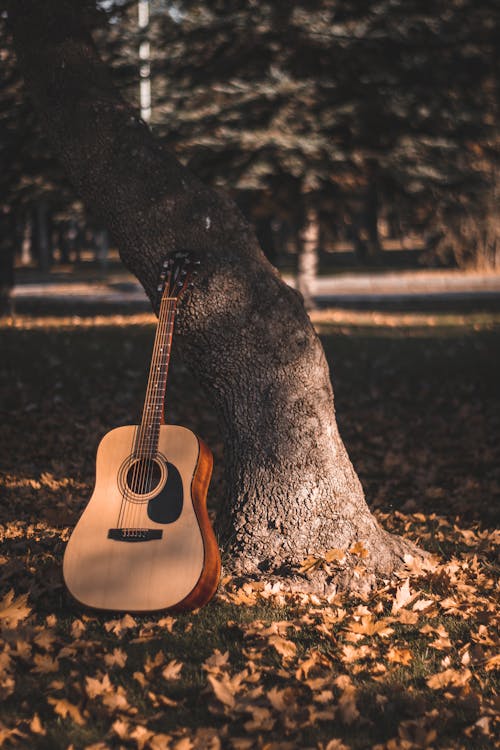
147	436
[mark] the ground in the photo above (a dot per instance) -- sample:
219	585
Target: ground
413	666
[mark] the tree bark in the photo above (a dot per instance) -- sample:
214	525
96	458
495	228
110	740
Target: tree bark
292	490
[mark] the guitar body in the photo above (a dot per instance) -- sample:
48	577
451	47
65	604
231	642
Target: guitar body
141	547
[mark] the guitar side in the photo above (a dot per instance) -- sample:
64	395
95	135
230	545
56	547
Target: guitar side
178	567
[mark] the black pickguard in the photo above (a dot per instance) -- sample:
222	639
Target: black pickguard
166	507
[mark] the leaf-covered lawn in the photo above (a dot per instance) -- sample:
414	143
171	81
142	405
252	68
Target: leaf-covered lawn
413	666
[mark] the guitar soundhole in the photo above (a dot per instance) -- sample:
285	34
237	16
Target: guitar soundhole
143	476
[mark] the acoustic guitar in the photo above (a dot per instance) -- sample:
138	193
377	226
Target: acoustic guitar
144	542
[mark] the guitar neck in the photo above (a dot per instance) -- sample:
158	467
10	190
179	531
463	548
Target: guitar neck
146	443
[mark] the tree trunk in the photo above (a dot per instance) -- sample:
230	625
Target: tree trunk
7	250
308	258
292	490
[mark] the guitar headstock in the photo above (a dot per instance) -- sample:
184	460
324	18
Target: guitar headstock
176	275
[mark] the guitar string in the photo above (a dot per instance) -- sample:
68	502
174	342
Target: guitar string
152	435
159	394
126	520
137	457
150	428
124	503
143	448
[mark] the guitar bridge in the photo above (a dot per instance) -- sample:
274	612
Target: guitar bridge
134	535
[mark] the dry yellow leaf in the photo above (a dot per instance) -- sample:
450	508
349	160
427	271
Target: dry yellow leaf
335	555
12	610
449	678
359	550
44	664
119	626
95	687
216	662
223	690
399	655
286	648
493	663
160	742
64	708
36	726
403	596
116	659
172	670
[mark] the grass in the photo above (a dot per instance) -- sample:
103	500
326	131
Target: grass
419	409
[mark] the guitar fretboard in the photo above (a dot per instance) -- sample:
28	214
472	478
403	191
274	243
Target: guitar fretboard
146	442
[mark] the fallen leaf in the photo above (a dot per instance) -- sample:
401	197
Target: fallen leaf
172	670
359	550
64	708
286	648
403	596
223	690
399	655
119	626
117	659
44	664
12	610
450	677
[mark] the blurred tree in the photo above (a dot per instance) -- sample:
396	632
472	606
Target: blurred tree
291	487
381	108
377	103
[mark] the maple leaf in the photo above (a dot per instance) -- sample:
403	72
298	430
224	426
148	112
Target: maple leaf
335	555
216	662
77	628
160	742
44	664
95	687
139	676
347	701
117	659
116	701
311	562
261	720
399	655
223	690
450	677
151	664
119	626
403	596
493	663
423	604
141	735
64	708
36	726
407	617
367	625
121	728
336	744
359	550
287	649
23	650
45	639
172	670
166	622
12	610
7	733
